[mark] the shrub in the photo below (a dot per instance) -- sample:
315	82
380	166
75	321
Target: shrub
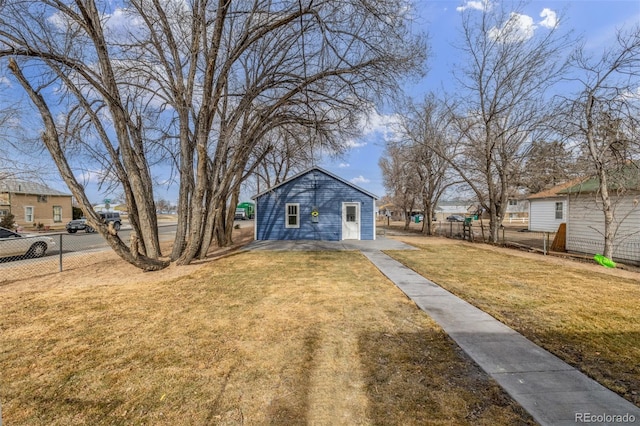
8	221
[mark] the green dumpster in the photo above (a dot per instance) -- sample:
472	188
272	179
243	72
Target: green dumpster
417	218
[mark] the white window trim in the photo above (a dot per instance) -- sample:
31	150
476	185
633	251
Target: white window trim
54	214
32	214
561	211
286	215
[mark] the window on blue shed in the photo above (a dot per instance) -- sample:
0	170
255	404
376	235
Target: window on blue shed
559	210
292	219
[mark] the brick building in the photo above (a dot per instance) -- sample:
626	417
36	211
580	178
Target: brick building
33	203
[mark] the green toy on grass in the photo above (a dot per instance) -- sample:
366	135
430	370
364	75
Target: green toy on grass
604	261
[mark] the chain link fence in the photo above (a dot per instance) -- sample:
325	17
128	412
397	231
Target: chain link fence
37	255
514	234
626	251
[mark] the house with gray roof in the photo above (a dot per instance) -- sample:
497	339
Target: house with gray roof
33	203
315	205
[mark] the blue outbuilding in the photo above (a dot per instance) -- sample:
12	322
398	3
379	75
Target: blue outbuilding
315	205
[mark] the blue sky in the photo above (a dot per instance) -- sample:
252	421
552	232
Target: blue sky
595	20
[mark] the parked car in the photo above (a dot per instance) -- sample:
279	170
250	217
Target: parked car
455	218
113	217
81	224
78	225
14	244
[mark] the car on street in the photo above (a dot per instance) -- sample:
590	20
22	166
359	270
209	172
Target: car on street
112	217
455	218
82	225
78	225
15	244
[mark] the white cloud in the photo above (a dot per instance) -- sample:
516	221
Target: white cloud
517	28
475	5
360	180
344	165
122	22
86	177
375	122
550	18
5	81
59	20
521	27
355	144
376	125
633	95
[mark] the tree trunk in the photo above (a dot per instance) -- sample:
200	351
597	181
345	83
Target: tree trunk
184	198
229	218
494	227
51	140
427	224
607	209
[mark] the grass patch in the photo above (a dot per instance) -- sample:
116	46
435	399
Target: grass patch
587	318
256	338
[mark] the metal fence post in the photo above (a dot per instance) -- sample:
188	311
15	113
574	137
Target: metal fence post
60	258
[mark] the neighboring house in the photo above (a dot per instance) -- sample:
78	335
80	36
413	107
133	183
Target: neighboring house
548	209
389	210
456	207
102	207
585	219
33	203
517	208
315	205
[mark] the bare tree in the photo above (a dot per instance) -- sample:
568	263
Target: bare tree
500	103
422	137
400	179
17	161
202	82
603	119
288	151
547	164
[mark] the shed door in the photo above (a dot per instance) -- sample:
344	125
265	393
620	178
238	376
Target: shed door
350	221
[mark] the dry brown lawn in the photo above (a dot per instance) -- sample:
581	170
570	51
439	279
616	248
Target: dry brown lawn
251	338
584	313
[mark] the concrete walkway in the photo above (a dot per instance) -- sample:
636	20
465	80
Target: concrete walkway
380	243
552	391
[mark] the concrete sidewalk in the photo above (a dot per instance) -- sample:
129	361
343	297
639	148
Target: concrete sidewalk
380	243
552	391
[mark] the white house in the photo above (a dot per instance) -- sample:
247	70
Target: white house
518	209
585	221
548	209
